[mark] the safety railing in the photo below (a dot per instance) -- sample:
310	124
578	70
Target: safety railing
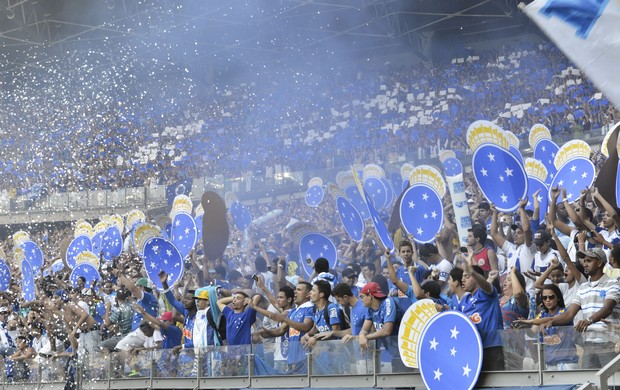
567	358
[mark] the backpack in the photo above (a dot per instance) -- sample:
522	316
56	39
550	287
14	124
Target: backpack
344	325
221	331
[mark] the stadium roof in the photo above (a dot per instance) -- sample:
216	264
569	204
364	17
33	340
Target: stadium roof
212	29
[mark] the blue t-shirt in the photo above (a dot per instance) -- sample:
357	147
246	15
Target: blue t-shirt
484	311
358	313
388	311
318	316
296	353
150	304
188	320
239	325
172	337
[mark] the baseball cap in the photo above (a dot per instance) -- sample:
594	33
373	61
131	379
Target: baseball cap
373	289
541	236
167	316
348	273
201	293
595	253
142	282
4	309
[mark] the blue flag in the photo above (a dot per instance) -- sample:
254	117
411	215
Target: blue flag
161	255
78	245
450	352
421	212
350	218
315	245
111	243
500	176
5	276
88	271
28	289
183	234
314	196
380	228
241	216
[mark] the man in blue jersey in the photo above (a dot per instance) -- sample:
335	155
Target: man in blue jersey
385	315
239	318
326	315
481	304
297	323
187	308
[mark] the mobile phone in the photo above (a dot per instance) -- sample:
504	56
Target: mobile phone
464	249
255	278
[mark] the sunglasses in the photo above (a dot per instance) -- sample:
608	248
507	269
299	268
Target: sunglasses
548	297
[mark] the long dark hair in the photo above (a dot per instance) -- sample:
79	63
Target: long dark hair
558	294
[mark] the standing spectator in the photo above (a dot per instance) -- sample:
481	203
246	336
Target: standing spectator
385	315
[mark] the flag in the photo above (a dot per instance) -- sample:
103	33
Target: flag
450	352
588	34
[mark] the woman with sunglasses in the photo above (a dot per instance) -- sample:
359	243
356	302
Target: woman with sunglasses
560	351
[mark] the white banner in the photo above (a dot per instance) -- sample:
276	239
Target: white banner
588	32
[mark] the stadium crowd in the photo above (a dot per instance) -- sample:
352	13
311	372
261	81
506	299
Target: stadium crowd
102	137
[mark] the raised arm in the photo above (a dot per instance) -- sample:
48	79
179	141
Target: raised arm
402	286
561	226
483	283
498	238
608	207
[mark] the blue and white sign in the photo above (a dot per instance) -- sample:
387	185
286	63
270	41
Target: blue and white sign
421	212
315	245
5	276
28	288
241	216
314	196
500	176
34	255
575	175
111	243
78	245
376	189
161	255
450	352
88	271
357	200
184	234
350	218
